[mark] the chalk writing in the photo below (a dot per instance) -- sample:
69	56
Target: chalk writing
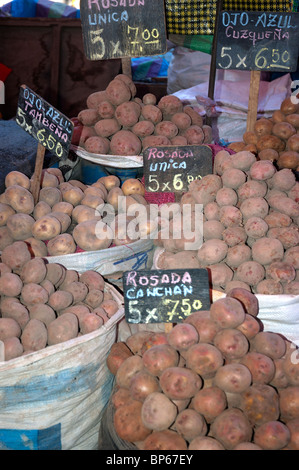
130	21
46	124
258	41
165	296
171	169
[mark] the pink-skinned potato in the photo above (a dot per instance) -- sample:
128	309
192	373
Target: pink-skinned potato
34	336
158	412
63	328
128	422
231	428
209	402
179	383
160	357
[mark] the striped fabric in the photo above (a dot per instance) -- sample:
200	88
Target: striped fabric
192	17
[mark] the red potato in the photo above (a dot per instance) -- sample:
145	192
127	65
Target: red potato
190	424
237	255
97	144
155	141
290	366
128	81
63	328
204	359
262	367
250	327
16	255
230	216
226	197
233	378
118	353
95	98
279	380
164	440
6	238
88	117
142	384
248	300
232	343
272	435
227	312
254	207
122	396
181	336
11	307
212	252
267	250
212	229
209	402
10	285
277	219
233	178
118	92
204	325
194	135
205	443
182	120
270	344
34	336
93	279
9	328
180	383
90	322
252	189
250	272
158	412
293	426
124	142
151	113
247	446
289	403
94	299
12	348
136	341
127	370
143	128
166	128
34	271
33	293
110	306
284	204
105	110
231	428
170	104
160	357
42	312
262	170
60	300
128	423
220	274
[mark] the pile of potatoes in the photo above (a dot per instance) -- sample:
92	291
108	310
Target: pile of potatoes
250	227
217	381
68	216
275	138
43	304
116	122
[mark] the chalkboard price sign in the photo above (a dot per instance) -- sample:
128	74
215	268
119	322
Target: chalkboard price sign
52	129
165	296
171	169
258	40
123	28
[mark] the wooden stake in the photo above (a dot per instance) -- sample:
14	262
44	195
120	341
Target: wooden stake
126	66
255	78
36	179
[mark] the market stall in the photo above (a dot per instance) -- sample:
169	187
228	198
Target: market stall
152	304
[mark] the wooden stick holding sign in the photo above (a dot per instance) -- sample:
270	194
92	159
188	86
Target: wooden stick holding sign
37	175
255	78
52	130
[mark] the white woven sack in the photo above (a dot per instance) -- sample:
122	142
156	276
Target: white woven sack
53	399
136	255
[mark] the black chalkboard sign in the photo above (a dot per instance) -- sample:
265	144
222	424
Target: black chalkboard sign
171	169
49	127
123	28
165	296
258	40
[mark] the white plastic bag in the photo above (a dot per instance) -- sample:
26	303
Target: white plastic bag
53	399
136	255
